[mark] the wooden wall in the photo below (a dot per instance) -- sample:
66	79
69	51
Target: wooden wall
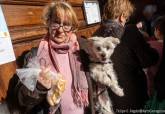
26	28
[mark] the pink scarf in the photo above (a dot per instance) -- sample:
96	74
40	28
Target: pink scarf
79	84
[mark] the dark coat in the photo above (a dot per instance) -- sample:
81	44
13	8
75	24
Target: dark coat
129	58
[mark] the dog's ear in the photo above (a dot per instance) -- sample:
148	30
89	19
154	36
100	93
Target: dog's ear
85	44
115	40
82	42
95	38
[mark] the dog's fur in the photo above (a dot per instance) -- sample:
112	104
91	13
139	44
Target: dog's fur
3	108
100	50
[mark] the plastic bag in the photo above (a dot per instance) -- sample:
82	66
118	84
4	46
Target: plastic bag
28	76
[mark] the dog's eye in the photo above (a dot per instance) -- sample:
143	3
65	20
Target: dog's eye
98	48
107	47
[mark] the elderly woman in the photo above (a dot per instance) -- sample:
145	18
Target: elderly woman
58	52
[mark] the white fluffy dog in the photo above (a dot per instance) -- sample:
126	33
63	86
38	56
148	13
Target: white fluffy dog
100	50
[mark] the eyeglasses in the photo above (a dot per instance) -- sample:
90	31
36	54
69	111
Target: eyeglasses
66	28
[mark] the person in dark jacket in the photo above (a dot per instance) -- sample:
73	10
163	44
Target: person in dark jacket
130	57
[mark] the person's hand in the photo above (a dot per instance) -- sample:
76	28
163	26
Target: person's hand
44	78
139	25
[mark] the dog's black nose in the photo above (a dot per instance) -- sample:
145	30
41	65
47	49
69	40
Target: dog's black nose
102	55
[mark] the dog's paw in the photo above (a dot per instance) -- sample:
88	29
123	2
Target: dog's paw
120	92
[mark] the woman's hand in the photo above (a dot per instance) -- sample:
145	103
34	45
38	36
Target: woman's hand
44	78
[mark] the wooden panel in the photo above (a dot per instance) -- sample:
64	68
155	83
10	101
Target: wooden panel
26	46
79	13
19	34
88	31
75	2
44	1
28	22
23	27
6	72
29	14
18	15
27	2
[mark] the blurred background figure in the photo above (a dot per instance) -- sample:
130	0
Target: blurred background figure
146	24
156	74
159	31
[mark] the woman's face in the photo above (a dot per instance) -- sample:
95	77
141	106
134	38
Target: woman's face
60	30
